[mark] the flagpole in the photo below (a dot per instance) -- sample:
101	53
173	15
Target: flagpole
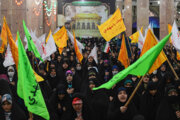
174	72
135	90
30	116
129	45
33	61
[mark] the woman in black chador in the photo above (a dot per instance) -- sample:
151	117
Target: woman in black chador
169	108
117	110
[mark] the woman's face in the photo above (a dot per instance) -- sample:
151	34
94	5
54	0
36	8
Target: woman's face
53	56
152	92
91	86
53	73
163	68
65	66
77	107
155	79
71	58
122	96
61	96
90	59
6	106
59	58
146	79
69	78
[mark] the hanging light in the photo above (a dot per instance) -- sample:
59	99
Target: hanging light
19	2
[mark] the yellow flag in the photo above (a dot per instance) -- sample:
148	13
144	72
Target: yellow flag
178	55
60	38
4	34
3	37
38	78
14	51
169	30
113	26
151	41
78	53
2	48
12	44
123	54
134	37
16	38
48	36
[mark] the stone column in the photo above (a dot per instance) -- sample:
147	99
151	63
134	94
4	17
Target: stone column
18	14
119	4
54	23
142	13
34	16
49	22
166	16
6	10
0	14
15	14
128	16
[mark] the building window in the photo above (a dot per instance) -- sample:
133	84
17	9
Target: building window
98	23
74	26
88	25
93	25
83	25
78	25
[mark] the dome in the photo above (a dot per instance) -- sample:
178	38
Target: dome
86	3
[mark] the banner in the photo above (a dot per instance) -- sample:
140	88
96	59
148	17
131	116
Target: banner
113	26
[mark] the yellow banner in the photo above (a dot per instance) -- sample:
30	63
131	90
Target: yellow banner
48	36
2	48
134	37
78	53
178	55
169	30
113	26
123	54
4	34
151	41
61	38
12	44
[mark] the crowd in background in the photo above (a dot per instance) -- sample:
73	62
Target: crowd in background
67	87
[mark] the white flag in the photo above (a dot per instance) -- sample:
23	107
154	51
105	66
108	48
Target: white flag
80	45
25	39
8	58
42	38
140	40
175	37
37	41
49	48
94	54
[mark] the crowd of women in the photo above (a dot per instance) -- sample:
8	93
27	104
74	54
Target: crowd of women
67	87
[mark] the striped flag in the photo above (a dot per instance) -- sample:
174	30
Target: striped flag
106	48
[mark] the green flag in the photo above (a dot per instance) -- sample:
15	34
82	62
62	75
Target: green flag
140	67
27	87
31	45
